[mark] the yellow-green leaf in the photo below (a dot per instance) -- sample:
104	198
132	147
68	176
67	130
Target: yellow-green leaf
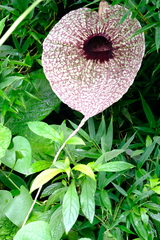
75	141
44	177
2	24
154	182
156	189
85	169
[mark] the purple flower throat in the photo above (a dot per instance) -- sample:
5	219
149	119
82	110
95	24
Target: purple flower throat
98	47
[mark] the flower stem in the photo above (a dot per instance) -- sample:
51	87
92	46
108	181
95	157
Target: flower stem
102	5
30	210
70	136
18	21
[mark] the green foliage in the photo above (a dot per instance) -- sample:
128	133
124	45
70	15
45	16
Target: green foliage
20	206
105	183
5	138
19	157
7	229
39	230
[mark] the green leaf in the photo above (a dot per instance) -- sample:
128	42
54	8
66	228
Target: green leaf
157	38
144	216
36	110
157	139
10	9
21	5
123	18
35	36
154	182
101	180
5	199
85	169
44	177
2	23
81	132
147	152
18	208
152	206
5	138
116	2
105	200
121	190
126	145
56	196
109	136
44	130
38	230
123	228
156	189
137	152
145	129
138	226
127	114
138	182
4	95
155	70
56	224
11	180
115	166
101	130
145	28
91	128
40	165
109	155
120	218
51	189
143	195
16	43
110	177
148	113
70	207
9	80
75	141
155	216
19	157
109	236
31	95
87	198
42	148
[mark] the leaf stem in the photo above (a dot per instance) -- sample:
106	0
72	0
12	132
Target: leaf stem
70	136
9	179
30	210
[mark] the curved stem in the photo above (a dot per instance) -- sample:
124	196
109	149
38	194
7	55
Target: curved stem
9	179
30	210
70	136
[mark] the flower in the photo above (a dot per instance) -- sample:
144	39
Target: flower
91	60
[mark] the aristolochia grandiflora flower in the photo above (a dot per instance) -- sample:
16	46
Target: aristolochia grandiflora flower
91	59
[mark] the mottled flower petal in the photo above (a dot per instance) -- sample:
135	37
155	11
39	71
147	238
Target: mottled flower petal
90	75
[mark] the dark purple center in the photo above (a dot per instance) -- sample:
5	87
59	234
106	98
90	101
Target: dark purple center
98	48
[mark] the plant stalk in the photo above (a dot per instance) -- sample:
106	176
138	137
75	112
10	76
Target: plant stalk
70	136
30	210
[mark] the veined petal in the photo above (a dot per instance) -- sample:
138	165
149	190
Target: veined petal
91	62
